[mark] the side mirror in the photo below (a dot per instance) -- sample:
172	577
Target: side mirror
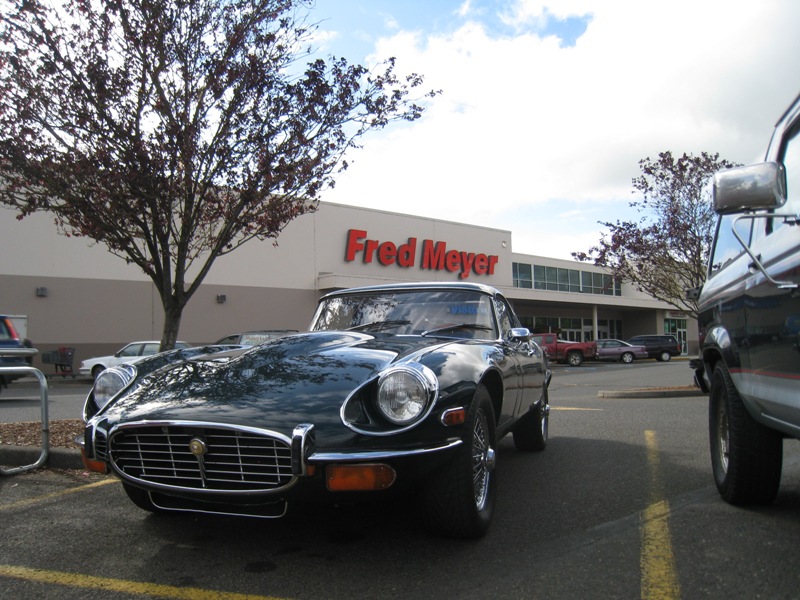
693	293
756	187
519	334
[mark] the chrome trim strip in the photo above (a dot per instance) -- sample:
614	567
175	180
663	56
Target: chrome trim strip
378	454
303	444
221	512
214	424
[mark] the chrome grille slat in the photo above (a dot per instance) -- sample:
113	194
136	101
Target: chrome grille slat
234	460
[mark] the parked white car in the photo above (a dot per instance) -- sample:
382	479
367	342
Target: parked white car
130	353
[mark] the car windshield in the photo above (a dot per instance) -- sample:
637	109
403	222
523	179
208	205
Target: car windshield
453	313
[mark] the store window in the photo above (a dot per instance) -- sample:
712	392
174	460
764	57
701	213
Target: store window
556	279
522	275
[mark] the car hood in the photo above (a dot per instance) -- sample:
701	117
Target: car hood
303	378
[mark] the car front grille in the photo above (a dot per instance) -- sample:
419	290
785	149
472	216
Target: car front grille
212	458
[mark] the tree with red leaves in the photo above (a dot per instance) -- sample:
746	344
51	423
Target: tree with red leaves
665	252
173	132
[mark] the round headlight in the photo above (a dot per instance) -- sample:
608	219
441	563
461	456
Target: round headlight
110	382
403	395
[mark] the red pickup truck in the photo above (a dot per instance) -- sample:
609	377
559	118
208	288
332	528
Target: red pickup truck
572	353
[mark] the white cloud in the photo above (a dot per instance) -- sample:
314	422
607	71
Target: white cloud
528	130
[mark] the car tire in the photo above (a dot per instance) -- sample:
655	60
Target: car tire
746	457
531	431
140	498
459	500
574	359
664	356
96	370
627	358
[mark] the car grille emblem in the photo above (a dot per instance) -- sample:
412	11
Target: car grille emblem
197	447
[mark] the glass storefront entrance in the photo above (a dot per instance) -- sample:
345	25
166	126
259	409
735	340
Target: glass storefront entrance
677	327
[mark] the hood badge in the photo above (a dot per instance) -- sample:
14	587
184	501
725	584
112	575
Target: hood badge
197	447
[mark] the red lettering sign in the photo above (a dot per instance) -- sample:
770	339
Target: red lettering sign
435	255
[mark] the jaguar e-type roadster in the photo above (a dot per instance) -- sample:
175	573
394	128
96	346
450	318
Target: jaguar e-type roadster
395	388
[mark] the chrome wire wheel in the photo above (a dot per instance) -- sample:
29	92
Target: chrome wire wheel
723	436
483	460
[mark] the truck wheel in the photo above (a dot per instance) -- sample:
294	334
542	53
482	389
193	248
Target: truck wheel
530	432
575	359
664	356
627	358
746	457
459	500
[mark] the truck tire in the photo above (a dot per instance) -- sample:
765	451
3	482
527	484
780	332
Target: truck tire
574	359
746	457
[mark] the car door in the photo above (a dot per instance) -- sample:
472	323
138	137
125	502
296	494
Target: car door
608	349
127	354
772	308
529	358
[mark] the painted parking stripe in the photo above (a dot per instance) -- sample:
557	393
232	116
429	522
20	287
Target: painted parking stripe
76	580
659	579
37	499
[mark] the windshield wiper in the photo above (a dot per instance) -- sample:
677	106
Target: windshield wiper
379	325
471	326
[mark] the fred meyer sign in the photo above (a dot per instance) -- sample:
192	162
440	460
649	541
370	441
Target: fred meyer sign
432	255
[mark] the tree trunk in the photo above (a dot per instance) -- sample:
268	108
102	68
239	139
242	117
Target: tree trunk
173	311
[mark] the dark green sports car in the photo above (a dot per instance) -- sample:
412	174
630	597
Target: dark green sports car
394	389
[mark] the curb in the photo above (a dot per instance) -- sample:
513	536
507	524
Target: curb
57	458
651	394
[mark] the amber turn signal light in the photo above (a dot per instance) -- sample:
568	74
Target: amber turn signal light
454	416
93	465
359	478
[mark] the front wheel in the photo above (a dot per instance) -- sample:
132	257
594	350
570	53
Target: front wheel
627	358
575	359
97	370
459	501
746	457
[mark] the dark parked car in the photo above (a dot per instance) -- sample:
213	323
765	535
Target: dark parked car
749	319
619	350
660	347
395	389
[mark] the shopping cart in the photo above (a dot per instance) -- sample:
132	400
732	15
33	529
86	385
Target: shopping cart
61	360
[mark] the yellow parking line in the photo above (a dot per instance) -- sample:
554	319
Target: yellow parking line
76	580
658	572
36	500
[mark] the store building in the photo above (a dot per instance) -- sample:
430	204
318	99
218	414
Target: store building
73	292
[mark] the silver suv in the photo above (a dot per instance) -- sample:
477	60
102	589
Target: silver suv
750	319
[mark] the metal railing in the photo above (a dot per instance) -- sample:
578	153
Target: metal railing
24	353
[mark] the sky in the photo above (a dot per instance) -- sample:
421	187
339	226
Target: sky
547	107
